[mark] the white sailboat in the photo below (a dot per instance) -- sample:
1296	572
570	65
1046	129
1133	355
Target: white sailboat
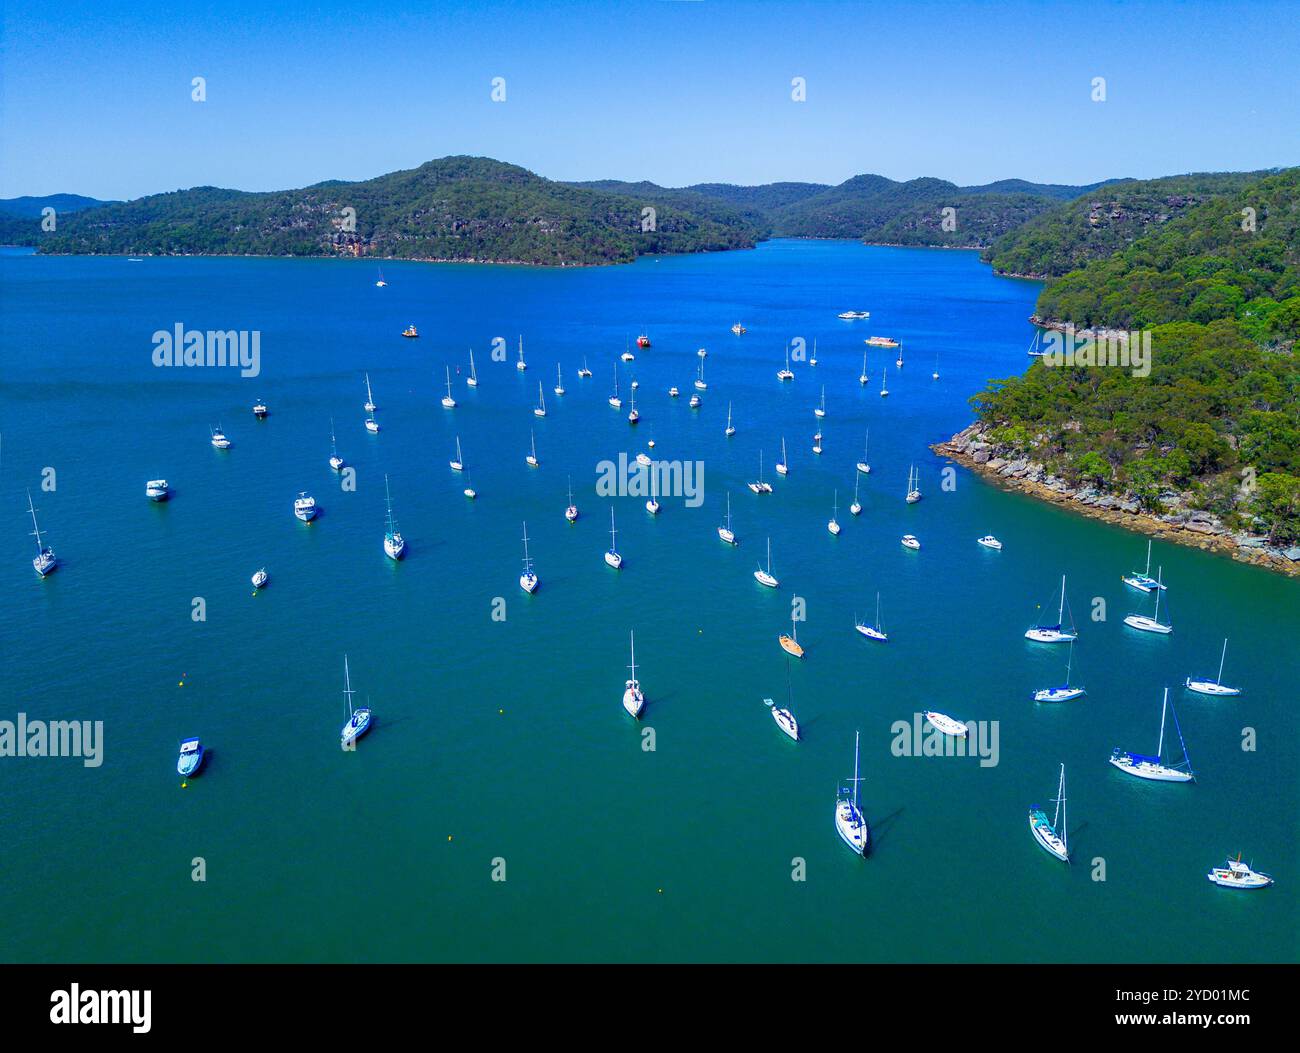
1035	345
528	579
849	820
633	414
813	362
863	465
260	578
765	577
370	406
761	487
472	380
521	365
784	715
1215	686
1045	833
358	719
633	699
899	363
1151	624
1065	692
820	411
540	409
394	543
782	467
531	459
613	557
1153	767
730	429
458	464
699	380
372	426
946	724
817	441
856	507
873	632
614	400
785	374
652	506
883	390
1144	580
834	525
447	401
336	462
863	377
1056	633
584	371
571	513
725	532
559	380
470	492
913	485
45	560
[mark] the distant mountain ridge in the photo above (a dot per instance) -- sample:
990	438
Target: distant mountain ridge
34	206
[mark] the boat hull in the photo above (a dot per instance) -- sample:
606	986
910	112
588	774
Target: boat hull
1210	687
764	578
786	722
356	727
1046	837
852	827
1147	625
1145	770
1058	694
1041	634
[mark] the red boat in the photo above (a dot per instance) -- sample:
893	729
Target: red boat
643	341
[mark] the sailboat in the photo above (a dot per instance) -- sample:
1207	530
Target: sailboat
584	371
883	390
372	425
528	579
1215	686
633	699
571	513
394	543
694	402
1045	833
813	362
899	363
862	377
613	557
1151	624
652	506
370	406
730	429
336	462
358	719
935	374
785	374
762	487
380	282
817	441
1144	580
1153	767
459	463
472	380
782	468
790	642
873	632
820	411
1065	692
45	560
532	460
863	465
633	414
946	724
559	380
1236	874
913	485
1036	345
1056	633
540	409
470	492
849	821
521	365
699	380
614	400
447	401
782	714
834	525
725	532
856	507
765	577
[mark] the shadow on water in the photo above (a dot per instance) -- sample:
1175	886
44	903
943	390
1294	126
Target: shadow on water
880	831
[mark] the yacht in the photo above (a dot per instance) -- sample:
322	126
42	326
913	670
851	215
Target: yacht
765	577
1056	633
873	632
370	406
834	525
725	532
1215	686
571	513
633	699
643	341
447	401
989	541
1064	693
394	543
627	355
1152	623
528	579
1152	767
761	487
813	362
1236	874
380	282
643	458
531	459
259	410
614	400
457	464
884	391
909	541
817	442
470	492
700	385
191	758
863	465
856	507
260	579
730	429
739	329
820	411
790	642
584	371
304	506
1046	833
785	374
673	392
694	402
782	466
157	490
219	439
881	341
358	719
702	353
410	332
1143	580
45	560
336	462
786	722
540	409
521	365
913	485
372	426
863	377
634	414
946	724
849	821
559	380
472	380
613	557
652	506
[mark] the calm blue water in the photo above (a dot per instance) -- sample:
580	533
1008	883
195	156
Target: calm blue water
507	739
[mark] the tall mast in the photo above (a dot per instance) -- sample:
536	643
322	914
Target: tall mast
36	530
1159	590
1059	614
632	640
1160	746
856	736
1222	656
347	685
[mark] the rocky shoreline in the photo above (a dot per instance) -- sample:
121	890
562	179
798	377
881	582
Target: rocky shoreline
1181	525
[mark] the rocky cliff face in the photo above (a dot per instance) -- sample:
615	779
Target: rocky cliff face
1178	523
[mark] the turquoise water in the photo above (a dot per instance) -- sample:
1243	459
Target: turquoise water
507	739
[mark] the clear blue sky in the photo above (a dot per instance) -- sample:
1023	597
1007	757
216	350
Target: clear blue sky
96	95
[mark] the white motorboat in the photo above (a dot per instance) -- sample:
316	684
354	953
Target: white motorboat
157	490
1236	874
989	541
304	506
946	724
260	579
219	440
909	541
